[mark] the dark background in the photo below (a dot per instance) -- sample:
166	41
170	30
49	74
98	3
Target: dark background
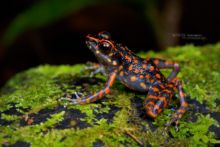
140	25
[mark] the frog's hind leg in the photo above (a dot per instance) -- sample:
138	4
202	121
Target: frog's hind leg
158	98
183	104
162	64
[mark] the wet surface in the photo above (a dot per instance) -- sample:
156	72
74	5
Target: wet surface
98	143
39	117
216	130
15	111
18	144
109	116
196	107
72	119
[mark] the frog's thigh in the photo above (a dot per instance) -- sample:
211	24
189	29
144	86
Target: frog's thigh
162	64
157	98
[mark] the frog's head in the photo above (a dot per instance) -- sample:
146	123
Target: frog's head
102	46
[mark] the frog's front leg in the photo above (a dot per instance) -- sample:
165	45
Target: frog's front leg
97	68
96	96
160	63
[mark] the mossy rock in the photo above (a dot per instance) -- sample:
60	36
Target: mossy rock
32	115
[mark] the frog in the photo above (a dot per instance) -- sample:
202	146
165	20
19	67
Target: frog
138	74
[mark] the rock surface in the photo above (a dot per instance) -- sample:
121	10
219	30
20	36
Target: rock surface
32	115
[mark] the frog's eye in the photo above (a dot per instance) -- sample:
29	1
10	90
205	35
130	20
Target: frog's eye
104	35
105	46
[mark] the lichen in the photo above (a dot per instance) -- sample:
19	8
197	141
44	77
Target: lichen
32	113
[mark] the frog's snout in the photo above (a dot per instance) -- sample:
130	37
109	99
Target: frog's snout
91	42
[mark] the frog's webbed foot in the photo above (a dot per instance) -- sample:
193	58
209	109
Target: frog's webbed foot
174	121
96	68
183	105
72	100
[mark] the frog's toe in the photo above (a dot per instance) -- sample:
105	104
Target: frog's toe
101	70
72	101
177	127
173	121
169	123
77	95
91	66
95	68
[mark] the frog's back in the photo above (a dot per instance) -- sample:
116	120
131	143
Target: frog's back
139	74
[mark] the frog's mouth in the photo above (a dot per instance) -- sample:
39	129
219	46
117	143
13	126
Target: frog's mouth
92	43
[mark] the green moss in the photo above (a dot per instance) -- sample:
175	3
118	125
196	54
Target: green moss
31	111
199	135
9	117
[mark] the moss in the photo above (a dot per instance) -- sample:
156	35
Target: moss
198	135
31	112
